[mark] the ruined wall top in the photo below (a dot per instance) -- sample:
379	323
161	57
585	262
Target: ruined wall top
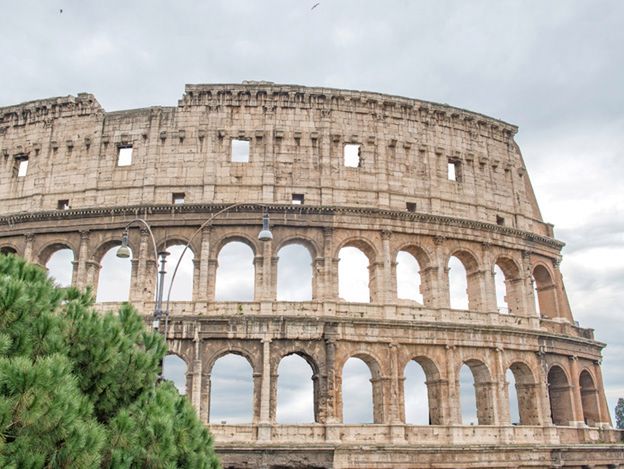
296	137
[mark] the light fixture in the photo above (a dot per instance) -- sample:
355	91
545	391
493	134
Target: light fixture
265	234
124	251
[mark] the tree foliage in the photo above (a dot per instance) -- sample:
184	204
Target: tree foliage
619	414
78	389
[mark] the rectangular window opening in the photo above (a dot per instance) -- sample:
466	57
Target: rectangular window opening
500	220
62	204
297	199
352	155
22	166
454	171
240	151
177	198
124	155
410	206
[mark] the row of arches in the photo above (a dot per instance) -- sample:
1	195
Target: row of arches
236	277
421	397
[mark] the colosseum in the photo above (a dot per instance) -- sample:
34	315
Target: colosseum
389	177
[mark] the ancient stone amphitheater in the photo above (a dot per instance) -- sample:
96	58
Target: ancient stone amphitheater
334	169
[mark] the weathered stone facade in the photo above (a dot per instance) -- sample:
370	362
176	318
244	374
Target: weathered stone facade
397	198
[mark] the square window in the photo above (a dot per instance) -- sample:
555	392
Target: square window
240	151
124	156
63	204
22	166
500	220
410	206
352	155
177	198
454	171
297	199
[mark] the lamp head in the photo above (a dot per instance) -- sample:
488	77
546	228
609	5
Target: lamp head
124	251
265	234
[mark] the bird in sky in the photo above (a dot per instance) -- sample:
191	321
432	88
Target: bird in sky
315	5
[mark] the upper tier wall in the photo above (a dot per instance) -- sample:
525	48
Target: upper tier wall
296	135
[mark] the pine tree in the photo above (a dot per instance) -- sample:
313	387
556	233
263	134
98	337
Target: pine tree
619	414
78	389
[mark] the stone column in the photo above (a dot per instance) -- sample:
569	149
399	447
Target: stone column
454	413
258	263
204	405
268	284
80	277
394	402
318	269
488	289
202	293
439	277
577	401
195	389
330	382
93	269
477	296
526	277
501	395
143	286
264	428
28	247
389	293
330	278
603	408
212	265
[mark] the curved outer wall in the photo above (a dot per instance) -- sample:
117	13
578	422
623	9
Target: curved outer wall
398	198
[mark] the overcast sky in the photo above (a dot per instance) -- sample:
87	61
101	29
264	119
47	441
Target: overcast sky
555	69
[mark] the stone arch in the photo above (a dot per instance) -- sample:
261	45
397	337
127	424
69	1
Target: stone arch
526	393
8	249
357	249
295	277
235	237
60	264
508	285
423	281
224	405
53	246
472	295
560	396
113	277
433	392
213	358
483	390
589	398
307	242
175	369
184	284
235	280
376	381
295	377
545	291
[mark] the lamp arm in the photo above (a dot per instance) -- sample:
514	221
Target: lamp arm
149	230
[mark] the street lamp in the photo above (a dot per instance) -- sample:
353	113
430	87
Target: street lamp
264	235
124	252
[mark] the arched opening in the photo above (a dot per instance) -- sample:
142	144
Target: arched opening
235	273
408	277
353	275
501	290
294	273
415	395
589	399
458	284
60	266
295	391
6	250
477	404
182	288
359	393
174	370
522	395
231	390
114	277
514	409
545	292
560	396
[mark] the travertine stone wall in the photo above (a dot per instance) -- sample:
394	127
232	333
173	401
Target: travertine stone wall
489	217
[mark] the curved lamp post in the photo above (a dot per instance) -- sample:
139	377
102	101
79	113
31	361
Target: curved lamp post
124	252
264	235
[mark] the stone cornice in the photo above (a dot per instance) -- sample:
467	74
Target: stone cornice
135	210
